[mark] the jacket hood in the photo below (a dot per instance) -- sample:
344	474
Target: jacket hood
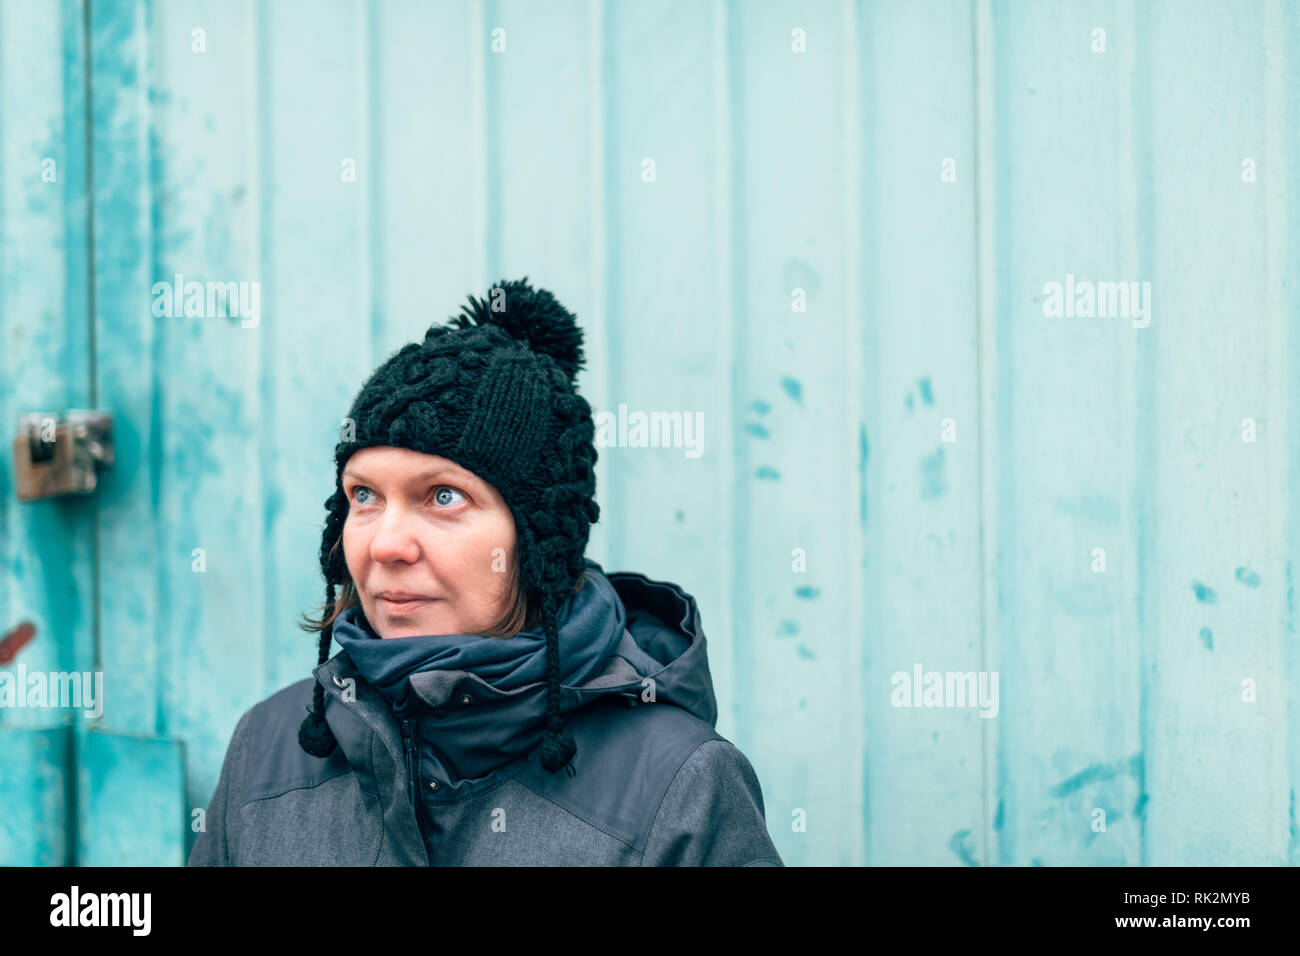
466	729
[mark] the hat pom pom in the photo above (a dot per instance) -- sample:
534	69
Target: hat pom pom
528	315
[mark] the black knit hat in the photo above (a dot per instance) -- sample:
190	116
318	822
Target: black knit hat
493	391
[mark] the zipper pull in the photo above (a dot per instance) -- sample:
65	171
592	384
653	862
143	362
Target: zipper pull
408	744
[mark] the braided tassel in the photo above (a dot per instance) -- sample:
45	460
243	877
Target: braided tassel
558	747
314	735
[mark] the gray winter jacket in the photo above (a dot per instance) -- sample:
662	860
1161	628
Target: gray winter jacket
653	784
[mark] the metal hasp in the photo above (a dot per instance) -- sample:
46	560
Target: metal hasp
54	456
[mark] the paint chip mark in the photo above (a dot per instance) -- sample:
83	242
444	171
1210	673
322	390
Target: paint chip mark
927	394
1204	594
788	628
1207	638
960	845
802	702
806	654
760	406
997	820
15	640
908	399
934	483
680	516
1248	577
758	430
1095	773
768	474
793	389
807	593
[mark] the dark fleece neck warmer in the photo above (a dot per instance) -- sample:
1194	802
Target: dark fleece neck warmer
591	624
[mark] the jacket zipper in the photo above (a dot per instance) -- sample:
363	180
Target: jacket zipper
412	773
408	749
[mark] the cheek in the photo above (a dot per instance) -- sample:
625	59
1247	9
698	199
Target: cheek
503	530
501	548
479	560
354	547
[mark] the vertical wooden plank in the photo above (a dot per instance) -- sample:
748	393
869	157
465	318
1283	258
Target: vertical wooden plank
127	355
665	219
798	652
1215	561
46	548
1063	440
925	774
211	500
315	329
546	199
421	182
667	338
539	109
569	78
125	775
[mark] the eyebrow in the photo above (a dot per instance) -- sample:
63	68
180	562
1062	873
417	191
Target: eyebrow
422	477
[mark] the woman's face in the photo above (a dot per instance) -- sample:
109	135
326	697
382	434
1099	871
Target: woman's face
428	544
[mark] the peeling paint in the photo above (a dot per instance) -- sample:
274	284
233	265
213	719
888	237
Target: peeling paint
15	640
1095	773
960	845
934	482
927	394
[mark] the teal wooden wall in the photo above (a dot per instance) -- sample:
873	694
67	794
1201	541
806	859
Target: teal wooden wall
944	456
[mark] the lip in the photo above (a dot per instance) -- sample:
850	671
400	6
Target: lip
398	596
401	602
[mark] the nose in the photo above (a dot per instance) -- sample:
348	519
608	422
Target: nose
394	540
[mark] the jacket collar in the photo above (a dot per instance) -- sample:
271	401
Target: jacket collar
472	733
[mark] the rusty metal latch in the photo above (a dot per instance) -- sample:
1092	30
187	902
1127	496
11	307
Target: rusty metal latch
54	456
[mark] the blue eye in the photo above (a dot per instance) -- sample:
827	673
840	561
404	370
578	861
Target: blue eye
438	496
356	491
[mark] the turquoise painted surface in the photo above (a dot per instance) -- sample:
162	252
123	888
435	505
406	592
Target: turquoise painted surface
827	229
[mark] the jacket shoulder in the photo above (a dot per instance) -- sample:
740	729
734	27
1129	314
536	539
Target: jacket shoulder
284	703
277	762
626	759
712	814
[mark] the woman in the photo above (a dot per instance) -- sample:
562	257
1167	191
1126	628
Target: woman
498	699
